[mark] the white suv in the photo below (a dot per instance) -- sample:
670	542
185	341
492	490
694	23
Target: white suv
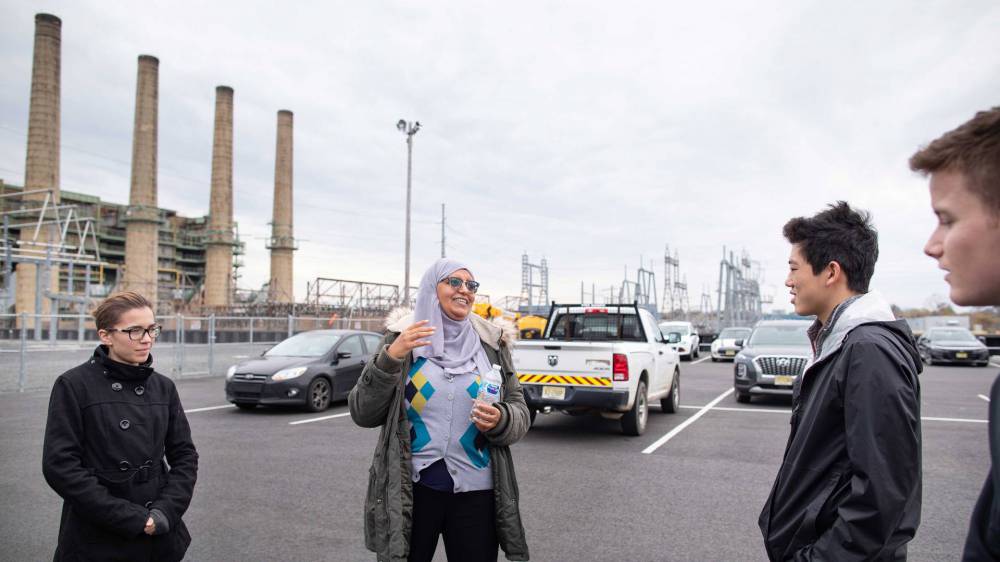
690	340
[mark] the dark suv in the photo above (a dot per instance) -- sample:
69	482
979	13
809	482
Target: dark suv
772	358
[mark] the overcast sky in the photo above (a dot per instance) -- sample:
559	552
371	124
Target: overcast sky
588	133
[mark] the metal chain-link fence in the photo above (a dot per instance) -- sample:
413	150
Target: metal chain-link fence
35	349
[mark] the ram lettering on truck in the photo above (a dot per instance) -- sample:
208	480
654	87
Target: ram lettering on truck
610	360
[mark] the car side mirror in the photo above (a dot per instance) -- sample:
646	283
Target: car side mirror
739	343
673	337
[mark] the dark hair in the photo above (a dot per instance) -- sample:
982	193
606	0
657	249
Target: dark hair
838	234
973	150
107	313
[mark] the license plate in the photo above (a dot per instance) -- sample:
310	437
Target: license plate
961	355
554	392
784	380
730	353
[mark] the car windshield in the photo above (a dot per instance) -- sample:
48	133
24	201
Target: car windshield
681	329
780	335
955	334
735	334
306	344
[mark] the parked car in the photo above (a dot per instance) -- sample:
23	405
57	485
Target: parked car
952	345
609	360
729	343
774	356
309	369
687	347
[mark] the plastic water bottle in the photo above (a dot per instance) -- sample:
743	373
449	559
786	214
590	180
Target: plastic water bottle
489	386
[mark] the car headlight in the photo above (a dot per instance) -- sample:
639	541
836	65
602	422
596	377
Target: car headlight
231	372
287	374
741	370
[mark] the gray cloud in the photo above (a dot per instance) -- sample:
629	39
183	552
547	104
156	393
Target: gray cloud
585	134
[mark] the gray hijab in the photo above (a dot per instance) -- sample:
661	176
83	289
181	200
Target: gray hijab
455	345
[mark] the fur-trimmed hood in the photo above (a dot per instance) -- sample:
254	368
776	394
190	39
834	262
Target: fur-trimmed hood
490	331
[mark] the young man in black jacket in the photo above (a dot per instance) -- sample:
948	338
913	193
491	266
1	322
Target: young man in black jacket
849	484
964	166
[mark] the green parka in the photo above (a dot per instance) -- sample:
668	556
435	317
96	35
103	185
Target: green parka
377	400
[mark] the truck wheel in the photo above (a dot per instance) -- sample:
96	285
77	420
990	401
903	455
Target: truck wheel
532	412
672	402
634	421
695	353
742	398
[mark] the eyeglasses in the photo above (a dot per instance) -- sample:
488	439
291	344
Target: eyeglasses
136	333
456	282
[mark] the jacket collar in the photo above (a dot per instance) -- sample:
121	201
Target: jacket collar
123	371
868	308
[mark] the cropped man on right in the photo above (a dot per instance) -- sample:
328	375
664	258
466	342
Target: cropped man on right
964	170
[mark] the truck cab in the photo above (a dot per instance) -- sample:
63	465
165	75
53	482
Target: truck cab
605	359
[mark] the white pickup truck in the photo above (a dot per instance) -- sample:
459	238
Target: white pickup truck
608	359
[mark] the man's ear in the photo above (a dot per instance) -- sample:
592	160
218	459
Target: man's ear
833	273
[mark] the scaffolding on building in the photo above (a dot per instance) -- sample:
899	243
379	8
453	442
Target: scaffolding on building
61	244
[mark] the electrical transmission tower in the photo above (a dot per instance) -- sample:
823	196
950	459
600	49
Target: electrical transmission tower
534	283
739	302
642	290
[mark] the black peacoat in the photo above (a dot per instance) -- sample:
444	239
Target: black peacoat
117	445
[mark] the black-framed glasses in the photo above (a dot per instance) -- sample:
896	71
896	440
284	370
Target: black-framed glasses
136	333
456	282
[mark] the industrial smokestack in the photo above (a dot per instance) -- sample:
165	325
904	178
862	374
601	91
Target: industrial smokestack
142	238
219	252
282	242
41	169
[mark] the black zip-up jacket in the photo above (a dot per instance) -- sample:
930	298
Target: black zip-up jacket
983	541
110	428
850	482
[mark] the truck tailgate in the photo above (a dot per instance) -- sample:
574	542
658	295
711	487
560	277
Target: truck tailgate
564	363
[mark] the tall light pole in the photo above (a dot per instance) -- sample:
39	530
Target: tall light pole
408	129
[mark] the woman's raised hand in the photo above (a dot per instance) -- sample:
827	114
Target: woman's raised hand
412	337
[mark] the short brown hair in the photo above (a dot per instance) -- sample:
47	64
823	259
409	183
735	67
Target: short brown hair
973	150
107	313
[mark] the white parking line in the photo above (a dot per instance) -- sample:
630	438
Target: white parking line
960	420
662	440
700	360
789	412
725	409
986	398
209	408
310	420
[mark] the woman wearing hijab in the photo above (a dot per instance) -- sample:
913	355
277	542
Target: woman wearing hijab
118	448
442	465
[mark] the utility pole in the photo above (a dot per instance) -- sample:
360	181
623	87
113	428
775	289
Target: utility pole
442	230
408	129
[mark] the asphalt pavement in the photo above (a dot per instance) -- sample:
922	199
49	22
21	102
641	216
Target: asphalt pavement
288	485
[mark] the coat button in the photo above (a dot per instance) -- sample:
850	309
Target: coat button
148	505
116	386
139	390
124	465
124	424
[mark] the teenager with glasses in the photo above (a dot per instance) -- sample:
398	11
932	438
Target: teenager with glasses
118	448
442	466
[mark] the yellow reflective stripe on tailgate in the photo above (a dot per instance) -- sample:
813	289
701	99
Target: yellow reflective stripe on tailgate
575	380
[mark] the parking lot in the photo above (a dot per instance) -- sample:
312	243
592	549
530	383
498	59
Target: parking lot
287	485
